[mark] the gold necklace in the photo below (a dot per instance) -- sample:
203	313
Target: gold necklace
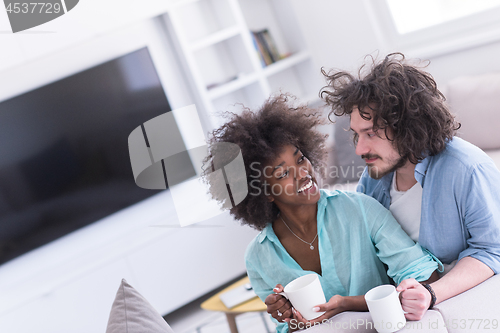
310	244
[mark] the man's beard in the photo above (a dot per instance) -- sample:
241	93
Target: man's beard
377	173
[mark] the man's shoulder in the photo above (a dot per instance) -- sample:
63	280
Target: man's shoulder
461	154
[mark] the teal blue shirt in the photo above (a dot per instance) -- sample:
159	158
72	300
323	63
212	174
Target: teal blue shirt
356	236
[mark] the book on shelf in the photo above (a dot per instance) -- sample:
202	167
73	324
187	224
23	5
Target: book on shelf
265	58
270	45
266	47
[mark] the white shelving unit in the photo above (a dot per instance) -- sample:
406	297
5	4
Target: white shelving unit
214	41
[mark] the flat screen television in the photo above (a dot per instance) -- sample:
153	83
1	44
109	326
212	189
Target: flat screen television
64	160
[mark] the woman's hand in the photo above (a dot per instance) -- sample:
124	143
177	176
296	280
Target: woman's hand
415	299
278	306
335	305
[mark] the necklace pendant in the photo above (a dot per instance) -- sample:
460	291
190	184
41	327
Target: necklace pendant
311	247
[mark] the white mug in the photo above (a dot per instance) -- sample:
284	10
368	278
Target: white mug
304	293
386	311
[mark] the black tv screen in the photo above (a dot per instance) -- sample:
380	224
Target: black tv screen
64	159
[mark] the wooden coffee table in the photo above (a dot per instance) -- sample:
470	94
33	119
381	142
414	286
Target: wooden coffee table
254	305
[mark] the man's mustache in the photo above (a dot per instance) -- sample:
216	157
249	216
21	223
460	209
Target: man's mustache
369	156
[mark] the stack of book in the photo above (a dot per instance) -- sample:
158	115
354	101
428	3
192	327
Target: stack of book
265	46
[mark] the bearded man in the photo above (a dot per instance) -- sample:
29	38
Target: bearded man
444	191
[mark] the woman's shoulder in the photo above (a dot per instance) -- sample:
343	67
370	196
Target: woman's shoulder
258	244
353	203
328	196
252	246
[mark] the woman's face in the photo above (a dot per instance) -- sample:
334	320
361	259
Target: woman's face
289	179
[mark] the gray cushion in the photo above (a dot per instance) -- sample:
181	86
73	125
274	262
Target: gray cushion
495	156
475	100
132	313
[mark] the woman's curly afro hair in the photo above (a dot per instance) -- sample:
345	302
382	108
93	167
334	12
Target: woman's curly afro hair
261	137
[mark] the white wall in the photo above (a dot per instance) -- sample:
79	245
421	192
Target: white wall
89	19
478	60
340	33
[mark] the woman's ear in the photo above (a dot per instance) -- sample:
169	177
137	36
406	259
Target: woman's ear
270	198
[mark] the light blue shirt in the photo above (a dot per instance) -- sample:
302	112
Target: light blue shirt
356	235
460	213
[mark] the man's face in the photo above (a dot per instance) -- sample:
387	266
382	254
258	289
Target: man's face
379	153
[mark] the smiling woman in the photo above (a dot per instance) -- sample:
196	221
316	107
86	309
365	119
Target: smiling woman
342	237
262	137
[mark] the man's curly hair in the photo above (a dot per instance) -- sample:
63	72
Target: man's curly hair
262	137
402	97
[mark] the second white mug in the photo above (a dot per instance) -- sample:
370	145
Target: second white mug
386	311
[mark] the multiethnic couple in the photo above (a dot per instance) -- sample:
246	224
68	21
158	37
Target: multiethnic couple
425	216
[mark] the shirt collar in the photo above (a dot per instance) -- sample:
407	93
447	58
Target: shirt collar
267	232
386	180
421	170
322	202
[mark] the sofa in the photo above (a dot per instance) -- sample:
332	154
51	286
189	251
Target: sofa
475	101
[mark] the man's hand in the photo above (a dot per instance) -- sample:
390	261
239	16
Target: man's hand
415	299
278	306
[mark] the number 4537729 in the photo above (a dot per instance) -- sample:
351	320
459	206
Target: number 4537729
33	7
